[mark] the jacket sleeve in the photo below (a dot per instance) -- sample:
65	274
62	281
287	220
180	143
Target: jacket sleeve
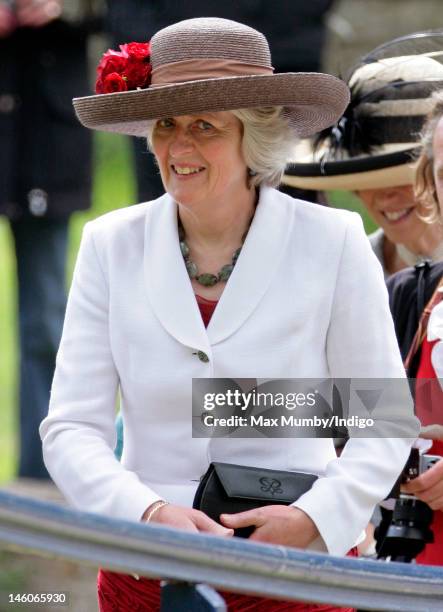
79	432
361	344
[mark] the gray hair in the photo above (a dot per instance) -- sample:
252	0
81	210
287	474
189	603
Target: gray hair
425	189
268	142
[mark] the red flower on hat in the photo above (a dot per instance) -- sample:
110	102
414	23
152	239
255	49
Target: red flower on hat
136	73
114	82
136	51
124	70
112	61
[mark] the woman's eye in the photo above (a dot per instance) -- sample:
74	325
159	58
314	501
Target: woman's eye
204	125
164	123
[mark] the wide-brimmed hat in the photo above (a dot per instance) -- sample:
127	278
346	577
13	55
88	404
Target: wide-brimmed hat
210	64
375	142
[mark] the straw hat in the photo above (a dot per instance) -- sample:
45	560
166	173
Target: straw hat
373	145
210	65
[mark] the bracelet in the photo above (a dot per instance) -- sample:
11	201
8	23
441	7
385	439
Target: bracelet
155	506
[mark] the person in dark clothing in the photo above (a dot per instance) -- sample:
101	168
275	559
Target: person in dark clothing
295	30
412	291
409	292
45	158
416	300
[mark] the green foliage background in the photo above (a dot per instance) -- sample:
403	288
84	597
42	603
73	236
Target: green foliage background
114	187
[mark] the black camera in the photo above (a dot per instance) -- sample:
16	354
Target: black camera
404	531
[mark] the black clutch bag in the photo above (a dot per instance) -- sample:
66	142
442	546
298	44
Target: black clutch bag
229	488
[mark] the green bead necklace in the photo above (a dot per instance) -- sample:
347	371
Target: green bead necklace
206	279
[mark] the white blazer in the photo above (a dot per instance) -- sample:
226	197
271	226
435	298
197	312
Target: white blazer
306	299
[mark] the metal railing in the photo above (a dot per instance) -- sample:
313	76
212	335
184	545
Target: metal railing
228	564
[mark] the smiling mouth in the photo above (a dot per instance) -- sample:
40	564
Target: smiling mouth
186	170
394	216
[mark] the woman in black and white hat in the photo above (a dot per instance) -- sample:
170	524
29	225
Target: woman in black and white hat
221	277
371	149
416	296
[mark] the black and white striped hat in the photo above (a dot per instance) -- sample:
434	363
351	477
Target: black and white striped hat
373	145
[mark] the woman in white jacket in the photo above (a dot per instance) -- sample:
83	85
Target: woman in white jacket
222	277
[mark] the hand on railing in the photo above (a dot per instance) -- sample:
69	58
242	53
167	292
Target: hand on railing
41	529
284	525
188	519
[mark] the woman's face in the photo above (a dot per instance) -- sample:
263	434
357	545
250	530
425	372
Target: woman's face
395	210
437	148
200	157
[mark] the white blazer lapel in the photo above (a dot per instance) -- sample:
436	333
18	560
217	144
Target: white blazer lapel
261	254
169	289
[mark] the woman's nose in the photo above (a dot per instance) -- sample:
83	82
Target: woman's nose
392	194
180	144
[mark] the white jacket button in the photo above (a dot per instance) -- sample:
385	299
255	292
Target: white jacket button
202	356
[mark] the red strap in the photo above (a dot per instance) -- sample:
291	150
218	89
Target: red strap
422	328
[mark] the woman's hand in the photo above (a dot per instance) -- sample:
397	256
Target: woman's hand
188	519
284	525
428	487
432	432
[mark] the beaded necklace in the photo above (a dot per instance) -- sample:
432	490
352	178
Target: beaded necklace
207	279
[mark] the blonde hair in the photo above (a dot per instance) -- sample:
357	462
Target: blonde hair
424	189
267	143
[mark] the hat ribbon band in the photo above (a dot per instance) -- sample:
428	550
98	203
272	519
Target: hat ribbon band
201	69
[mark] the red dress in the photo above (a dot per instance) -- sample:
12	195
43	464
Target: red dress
124	593
429	407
